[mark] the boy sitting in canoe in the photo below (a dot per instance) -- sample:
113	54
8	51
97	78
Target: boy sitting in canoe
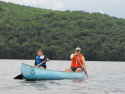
40	59
77	61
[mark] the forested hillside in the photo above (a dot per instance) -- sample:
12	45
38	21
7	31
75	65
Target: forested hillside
23	30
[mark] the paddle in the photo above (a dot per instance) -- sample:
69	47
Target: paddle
84	69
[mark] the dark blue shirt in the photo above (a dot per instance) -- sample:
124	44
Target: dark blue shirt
39	60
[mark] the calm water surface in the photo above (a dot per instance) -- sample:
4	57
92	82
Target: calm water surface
104	78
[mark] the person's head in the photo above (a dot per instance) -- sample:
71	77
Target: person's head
39	52
78	50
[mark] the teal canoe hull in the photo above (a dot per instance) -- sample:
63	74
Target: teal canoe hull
35	73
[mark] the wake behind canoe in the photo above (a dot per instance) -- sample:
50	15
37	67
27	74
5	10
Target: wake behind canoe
35	73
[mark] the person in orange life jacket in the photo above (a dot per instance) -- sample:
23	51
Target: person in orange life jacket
40	59
78	61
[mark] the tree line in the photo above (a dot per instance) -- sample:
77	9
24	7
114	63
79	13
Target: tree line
23	30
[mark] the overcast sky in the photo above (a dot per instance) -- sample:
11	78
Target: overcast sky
111	7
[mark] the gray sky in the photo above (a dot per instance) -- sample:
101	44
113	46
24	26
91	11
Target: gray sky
111	7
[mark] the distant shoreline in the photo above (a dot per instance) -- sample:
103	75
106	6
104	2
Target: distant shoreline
23	30
59	60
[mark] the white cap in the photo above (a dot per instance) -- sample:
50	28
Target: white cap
78	49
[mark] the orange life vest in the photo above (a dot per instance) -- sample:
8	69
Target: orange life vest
77	61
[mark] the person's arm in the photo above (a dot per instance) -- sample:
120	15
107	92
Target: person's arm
37	60
71	56
83	58
42	57
45	59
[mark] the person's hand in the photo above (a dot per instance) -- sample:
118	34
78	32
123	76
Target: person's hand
83	67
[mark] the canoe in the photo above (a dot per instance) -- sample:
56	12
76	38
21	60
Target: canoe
35	73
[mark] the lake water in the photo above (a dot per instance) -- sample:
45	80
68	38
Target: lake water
104	78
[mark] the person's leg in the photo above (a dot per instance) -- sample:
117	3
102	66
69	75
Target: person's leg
68	70
78	70
44	66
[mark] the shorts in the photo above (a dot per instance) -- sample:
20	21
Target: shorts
44	66
74	69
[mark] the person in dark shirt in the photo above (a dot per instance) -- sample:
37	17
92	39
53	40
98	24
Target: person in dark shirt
40	59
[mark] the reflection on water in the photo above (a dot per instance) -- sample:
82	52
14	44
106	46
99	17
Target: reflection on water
104	78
